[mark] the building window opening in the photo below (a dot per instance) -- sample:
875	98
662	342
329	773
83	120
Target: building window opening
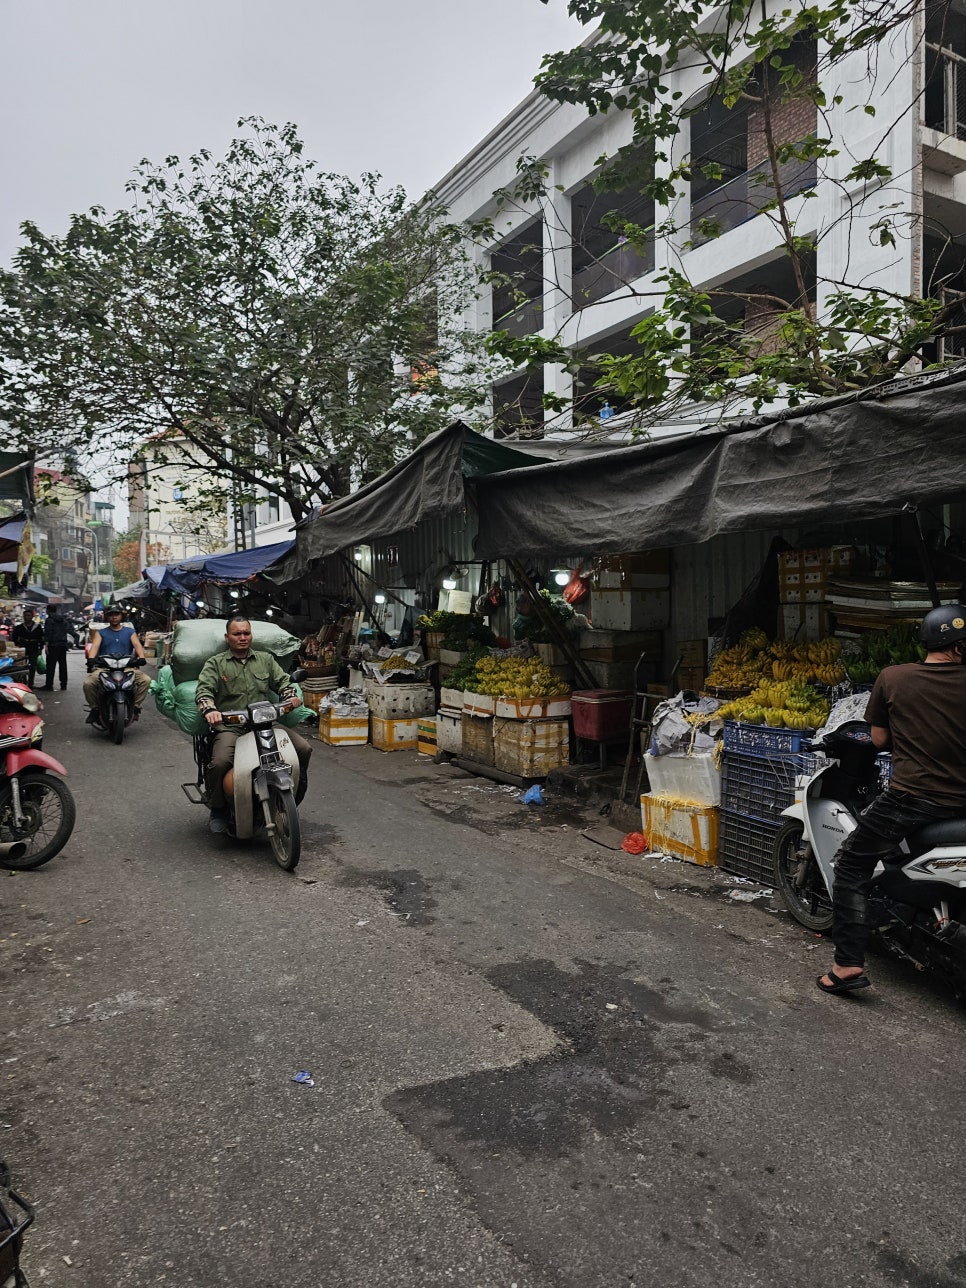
517	268
613	241
518	407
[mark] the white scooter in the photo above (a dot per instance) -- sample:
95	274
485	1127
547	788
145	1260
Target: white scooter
263	783
918	897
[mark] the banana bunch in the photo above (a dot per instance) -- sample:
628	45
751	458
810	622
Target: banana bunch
789	704
517	677
753	660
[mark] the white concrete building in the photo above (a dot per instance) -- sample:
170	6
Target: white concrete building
163	502
585	285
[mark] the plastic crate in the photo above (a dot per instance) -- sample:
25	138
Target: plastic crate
763	740
762	786
746	846
681	829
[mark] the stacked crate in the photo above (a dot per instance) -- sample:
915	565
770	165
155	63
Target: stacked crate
803	577
394	711
758	774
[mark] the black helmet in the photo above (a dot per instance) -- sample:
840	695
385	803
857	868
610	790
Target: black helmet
943	627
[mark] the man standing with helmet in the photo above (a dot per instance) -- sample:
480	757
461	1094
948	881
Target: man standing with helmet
918	712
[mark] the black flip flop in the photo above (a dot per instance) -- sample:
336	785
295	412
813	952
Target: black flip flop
840	985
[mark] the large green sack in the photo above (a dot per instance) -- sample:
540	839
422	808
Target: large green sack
177	702
196	641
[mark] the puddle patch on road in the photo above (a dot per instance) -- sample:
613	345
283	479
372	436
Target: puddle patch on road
622	1039
405	890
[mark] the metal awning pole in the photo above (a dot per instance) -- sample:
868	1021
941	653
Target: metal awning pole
927	567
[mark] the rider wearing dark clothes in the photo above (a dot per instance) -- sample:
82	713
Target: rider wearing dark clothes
918	711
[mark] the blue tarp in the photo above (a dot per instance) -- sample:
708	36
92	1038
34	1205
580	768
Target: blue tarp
224	569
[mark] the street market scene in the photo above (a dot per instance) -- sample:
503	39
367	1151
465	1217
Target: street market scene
482	687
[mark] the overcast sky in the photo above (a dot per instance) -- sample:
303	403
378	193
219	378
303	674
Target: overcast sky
404	87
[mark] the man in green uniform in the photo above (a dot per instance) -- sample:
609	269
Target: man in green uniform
229	681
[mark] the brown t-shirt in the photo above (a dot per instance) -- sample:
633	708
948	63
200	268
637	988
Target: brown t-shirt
923	705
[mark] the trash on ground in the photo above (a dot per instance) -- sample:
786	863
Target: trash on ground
532	796
634	843
304	1077
610	1006
749	896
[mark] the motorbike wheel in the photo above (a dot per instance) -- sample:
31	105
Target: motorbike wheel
799	880
48	819
286	839
118	716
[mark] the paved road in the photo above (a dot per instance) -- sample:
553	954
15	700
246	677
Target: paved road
536	1063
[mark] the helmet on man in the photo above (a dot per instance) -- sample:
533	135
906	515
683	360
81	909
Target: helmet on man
943	627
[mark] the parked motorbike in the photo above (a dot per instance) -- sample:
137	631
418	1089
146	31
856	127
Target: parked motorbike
15	1215
262	785
115	694
918	898
37	811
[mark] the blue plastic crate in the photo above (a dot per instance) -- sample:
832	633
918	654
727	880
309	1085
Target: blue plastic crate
763	740
762	786
746	846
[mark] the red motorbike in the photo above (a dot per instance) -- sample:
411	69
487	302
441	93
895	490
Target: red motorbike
37	810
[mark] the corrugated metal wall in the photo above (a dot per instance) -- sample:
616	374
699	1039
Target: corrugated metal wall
707	579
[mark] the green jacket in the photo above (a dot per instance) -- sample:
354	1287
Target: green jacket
227	683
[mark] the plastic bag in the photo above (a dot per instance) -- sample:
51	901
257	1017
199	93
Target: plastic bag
577	588
40	666
634	843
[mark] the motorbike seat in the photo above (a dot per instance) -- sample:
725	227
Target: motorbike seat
946	831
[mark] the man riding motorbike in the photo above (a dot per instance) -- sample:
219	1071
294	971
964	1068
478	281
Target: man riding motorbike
114	640
918	711
230	681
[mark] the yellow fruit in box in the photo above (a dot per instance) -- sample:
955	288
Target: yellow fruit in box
774	717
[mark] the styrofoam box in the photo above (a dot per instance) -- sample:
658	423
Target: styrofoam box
611	579
478	704
396	701
631	610
687	778
684	831
449	731
343	731
393	735
532	708
452	698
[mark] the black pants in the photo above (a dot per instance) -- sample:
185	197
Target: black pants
889	819
32	667
223	757
56	656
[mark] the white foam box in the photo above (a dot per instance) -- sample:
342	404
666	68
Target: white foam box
688	778
630	610
343	731
451	698
449	731
531	748
394	701
393	735
800	622
684	831
532	708
478	704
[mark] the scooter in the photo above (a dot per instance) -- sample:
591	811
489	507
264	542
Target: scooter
37	811
115	696
262	785
918	898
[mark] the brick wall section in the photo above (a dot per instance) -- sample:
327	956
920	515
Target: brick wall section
791	121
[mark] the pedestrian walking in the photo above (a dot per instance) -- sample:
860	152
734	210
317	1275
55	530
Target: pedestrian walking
29	635
55	634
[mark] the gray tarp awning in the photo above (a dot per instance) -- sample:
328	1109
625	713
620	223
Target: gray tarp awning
858	457
428	484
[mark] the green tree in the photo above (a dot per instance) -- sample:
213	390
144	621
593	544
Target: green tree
685	70
282	321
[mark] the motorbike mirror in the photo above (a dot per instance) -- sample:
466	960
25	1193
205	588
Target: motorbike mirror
298	675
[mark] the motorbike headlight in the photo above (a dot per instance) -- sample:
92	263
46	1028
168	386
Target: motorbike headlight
263	714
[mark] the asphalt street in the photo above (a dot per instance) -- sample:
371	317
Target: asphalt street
536	1062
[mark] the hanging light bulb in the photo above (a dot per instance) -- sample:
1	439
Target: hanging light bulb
233	594
379	599
449	583
199	603
269	612
561	577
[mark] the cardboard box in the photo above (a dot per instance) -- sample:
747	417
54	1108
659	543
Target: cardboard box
393	735
691	677
478	738
692	654
621	675
647	570
620	646
803	622
803	575
630	610
532	708
531	748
